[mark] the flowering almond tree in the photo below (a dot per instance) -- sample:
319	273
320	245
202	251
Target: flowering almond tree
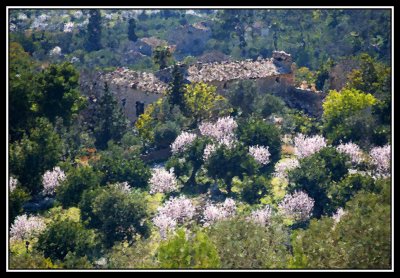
182	142
261	216
260	154
306	146
52	179
381	157
297	205
177	210
162	181
213	213
26	227
352	150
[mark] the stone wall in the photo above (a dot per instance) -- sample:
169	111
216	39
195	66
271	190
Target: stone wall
125	96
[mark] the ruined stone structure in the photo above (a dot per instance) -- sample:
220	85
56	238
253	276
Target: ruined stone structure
135	90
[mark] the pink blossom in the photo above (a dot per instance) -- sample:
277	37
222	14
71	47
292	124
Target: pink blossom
182	142
298	205
178	208
380	158
284	166
352	150
174	211
260	154
223	128
26	228
52	179
306	146
213	213
208	151
12	184
261	216
162	181
164	224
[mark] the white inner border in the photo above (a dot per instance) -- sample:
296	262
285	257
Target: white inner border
201	8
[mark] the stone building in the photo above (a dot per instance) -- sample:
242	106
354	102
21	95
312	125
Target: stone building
135	90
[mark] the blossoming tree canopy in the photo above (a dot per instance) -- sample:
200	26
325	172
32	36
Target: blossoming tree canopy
260	154
306	146
381	158
163	181
177	210
26	227
297	205
182	142
353	150
52	179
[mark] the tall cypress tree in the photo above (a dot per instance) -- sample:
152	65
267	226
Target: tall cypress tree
93	42
131	30
176	90
111	123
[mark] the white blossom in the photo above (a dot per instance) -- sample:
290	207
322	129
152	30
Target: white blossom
297	205
26	228
163	181
56	51
306	146
208	151
164	224
179	208
78	14
338	215
22	16
12	27
174	211
213	213
351	150
380	158
260	154
223	128
182	142
284	166
261	216
75	60
52	179
68	27
13	184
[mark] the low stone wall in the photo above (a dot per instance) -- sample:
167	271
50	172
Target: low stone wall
308	101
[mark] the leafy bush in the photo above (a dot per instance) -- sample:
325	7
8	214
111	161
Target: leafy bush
138	255
78	180
34	154
254	131
118	167
244	244
197	251
165	134
361	239
315	176
16	200
118	212
63	236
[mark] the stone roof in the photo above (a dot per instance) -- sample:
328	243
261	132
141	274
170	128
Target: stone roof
143	81
224	71
201	26
153	41
202	72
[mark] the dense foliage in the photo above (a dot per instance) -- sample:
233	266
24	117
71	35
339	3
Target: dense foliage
212	174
